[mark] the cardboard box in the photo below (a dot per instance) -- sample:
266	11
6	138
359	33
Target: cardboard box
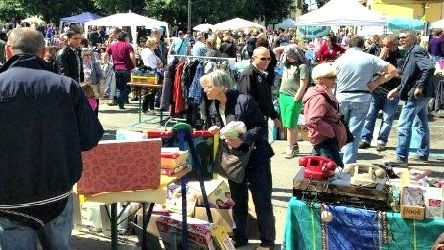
413	212
173	158
412	202
90	216
199	235
434	202
218	193
223	217
221	238
115	166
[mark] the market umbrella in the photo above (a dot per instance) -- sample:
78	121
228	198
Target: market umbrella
438	24
237	24
33	20
400	23
204	27
287	23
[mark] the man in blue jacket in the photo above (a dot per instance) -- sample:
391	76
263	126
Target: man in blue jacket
45	123
415	90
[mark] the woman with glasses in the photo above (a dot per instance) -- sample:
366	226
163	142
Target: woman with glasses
93	74
321	111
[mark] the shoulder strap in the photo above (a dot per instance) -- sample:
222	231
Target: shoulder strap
329	100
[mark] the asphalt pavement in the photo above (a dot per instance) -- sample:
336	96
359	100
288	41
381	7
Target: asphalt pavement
283	170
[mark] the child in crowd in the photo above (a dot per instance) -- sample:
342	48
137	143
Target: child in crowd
89	93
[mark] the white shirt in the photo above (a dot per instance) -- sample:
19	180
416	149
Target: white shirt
149	58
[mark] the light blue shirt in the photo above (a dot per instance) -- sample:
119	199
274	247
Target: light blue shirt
199	49
181	50
355	69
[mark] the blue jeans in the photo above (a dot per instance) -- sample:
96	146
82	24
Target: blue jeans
354	115
379	102
122	78
56	234
329	148
258	180
413	114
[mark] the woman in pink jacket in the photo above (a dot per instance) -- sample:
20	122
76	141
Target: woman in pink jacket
325	129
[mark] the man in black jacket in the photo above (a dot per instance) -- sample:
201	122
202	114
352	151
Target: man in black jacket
254	82
45	123
68	59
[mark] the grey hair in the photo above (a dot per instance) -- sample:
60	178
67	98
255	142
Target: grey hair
409	32
218	78
26	40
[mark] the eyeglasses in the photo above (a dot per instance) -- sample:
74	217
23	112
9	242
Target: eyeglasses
87	55
331	77
265	59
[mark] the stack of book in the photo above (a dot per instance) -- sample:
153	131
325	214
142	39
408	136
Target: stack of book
172	161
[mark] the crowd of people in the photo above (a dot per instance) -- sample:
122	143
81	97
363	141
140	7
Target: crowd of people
336	83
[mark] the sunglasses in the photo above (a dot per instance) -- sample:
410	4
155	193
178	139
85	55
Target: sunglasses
265	59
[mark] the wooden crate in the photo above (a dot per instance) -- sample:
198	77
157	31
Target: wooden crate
147	79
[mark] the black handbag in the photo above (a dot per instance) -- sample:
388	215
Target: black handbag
231	163
350	137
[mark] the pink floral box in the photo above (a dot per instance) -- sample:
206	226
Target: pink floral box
115	166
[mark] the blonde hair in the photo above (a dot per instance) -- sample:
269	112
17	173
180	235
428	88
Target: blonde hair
323	70
151	42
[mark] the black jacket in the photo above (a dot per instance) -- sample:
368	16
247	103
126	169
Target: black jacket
255	83
45	123
241	107
68	65
417	70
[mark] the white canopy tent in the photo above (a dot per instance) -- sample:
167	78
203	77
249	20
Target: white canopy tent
237	24
287	23
203	27
128	19
438	24
342	12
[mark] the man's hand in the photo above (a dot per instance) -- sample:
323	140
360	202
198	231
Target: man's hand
392	94
372	85
384	53
233	142
418	92
277	123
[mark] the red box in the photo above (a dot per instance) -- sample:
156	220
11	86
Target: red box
115	166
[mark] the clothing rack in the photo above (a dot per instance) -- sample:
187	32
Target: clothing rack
228	59
206	57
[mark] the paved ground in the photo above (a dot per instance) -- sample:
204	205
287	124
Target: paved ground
282	169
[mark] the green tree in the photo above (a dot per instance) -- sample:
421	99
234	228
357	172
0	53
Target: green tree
115	6
53	10
11	10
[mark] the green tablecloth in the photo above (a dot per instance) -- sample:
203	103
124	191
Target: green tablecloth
304	230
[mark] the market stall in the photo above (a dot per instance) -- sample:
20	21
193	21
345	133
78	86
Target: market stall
362	207
80	18
342	12
237	24
129	19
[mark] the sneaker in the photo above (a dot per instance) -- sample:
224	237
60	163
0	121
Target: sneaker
364	145
421	159
113	103
291	151
380	146
397	162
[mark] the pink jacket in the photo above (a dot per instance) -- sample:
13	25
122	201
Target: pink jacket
321	117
